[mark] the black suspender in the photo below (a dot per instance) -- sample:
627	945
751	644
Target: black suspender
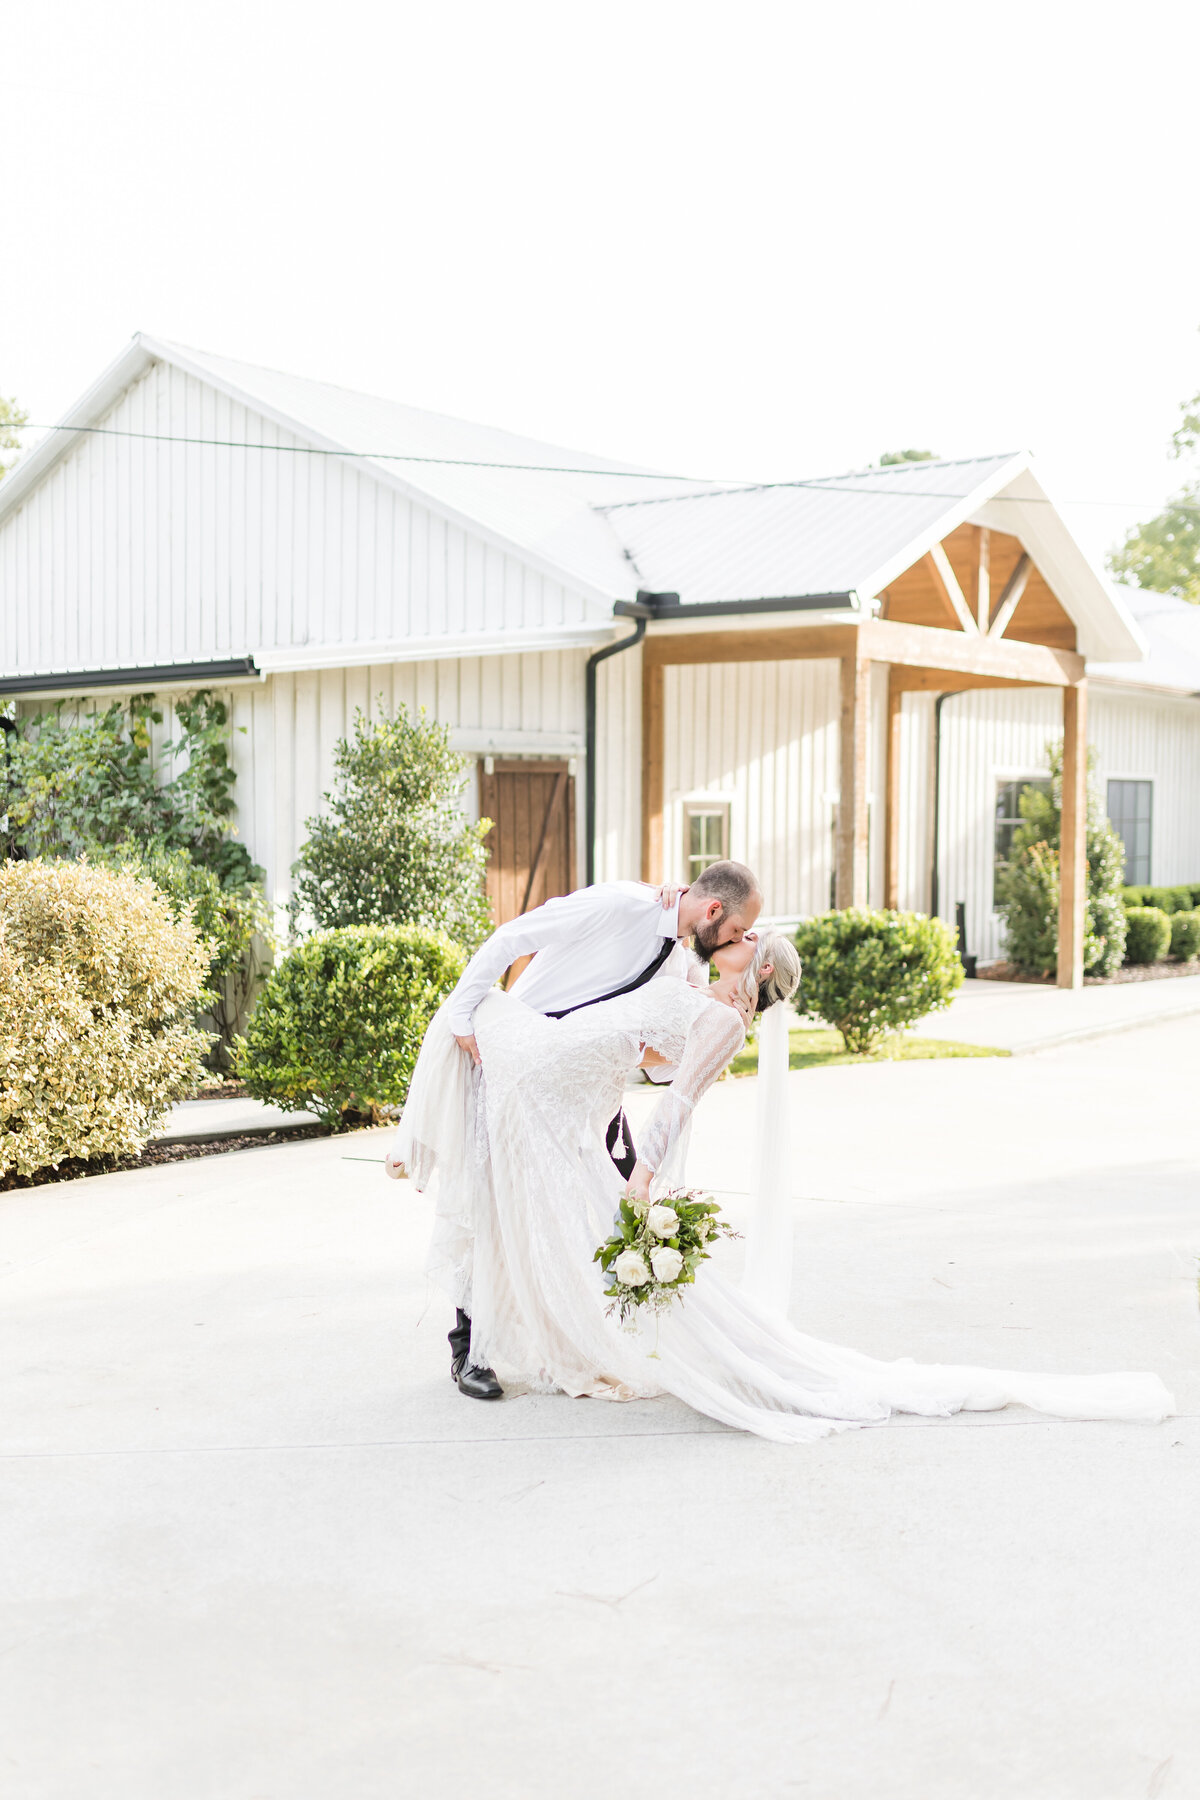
664	950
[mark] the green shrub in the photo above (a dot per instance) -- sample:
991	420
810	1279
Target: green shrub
1029	885
392	846
234	922
1185	936
83	785
1148	934
871	973
340	1020
1029	896
1166	899
98	986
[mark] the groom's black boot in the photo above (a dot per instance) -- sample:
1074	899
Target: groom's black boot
476	1383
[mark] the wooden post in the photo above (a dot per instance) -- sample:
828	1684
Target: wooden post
851	875
983	578
652	769
1072	893
891	817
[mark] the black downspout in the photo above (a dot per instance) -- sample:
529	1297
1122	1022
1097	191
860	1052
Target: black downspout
593	662
12	852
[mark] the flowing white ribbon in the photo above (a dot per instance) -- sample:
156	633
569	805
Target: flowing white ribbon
768	1273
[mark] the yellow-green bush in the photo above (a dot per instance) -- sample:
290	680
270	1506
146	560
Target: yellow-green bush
98	987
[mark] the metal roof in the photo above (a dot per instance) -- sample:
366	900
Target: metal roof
607	528
547	506
815	537
1171	628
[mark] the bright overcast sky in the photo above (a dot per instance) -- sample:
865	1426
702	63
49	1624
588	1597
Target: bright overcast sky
760	240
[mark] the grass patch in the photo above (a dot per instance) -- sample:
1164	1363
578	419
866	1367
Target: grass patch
823	1048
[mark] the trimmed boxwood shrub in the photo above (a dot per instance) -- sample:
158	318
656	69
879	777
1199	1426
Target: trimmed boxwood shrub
1185	936
339	1022
872	973
1166	899
99	983
1148	934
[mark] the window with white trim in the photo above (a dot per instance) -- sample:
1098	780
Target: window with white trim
1131	814
705	835
1008	817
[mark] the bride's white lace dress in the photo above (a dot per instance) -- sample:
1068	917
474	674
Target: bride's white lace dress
524	1191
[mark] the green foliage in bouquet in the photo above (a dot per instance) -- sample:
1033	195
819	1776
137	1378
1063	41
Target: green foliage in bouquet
340	1020
656	1249
1148	934
872	973
1185	936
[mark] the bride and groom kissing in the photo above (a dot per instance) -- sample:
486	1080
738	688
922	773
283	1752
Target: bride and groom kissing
514	1127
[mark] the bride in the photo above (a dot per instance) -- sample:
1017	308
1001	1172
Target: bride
514	1156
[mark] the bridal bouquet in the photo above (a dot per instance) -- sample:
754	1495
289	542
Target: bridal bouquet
656	1248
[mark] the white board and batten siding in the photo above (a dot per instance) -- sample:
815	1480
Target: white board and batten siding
763	738
286	728
132	552
991	736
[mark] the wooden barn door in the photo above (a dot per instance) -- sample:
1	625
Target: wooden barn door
532	840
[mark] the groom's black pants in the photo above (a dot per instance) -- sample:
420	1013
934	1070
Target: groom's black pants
619	1140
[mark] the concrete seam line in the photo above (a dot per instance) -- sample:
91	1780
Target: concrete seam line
1099	1031
579	1437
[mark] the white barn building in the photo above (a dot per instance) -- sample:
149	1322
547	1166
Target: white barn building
838	649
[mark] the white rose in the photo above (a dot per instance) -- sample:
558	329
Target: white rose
631	1269
666	1263
664	1221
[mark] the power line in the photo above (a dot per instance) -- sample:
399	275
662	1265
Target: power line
451	462
822	484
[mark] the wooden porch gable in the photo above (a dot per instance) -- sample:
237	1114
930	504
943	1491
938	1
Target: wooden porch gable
978	649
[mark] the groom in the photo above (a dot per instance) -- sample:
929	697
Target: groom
586	947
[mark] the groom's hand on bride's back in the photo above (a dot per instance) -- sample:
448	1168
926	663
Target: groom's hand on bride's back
470	1046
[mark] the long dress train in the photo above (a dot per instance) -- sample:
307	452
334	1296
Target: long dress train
515	1159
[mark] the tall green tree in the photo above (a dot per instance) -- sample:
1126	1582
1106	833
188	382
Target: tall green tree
392	846
891	457
1029	886
12	418
1163	553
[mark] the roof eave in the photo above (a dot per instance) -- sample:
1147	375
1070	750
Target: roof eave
120	374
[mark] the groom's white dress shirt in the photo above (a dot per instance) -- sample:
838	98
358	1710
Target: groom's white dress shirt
584	945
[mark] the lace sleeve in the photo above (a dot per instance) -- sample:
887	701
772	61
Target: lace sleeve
714	1039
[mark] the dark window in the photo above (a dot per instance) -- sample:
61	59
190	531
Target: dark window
706	837
1131	811
1008	817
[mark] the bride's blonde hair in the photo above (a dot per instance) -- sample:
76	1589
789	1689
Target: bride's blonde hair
775	948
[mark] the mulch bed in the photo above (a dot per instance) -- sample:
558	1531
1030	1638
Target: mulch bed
1162	971
224	1090
75	1169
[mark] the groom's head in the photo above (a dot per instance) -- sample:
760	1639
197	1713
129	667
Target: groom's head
720	906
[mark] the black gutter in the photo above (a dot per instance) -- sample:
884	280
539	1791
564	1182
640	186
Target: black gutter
658	607
82	681
667	606
643	610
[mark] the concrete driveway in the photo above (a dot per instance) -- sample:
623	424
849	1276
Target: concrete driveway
256	1547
